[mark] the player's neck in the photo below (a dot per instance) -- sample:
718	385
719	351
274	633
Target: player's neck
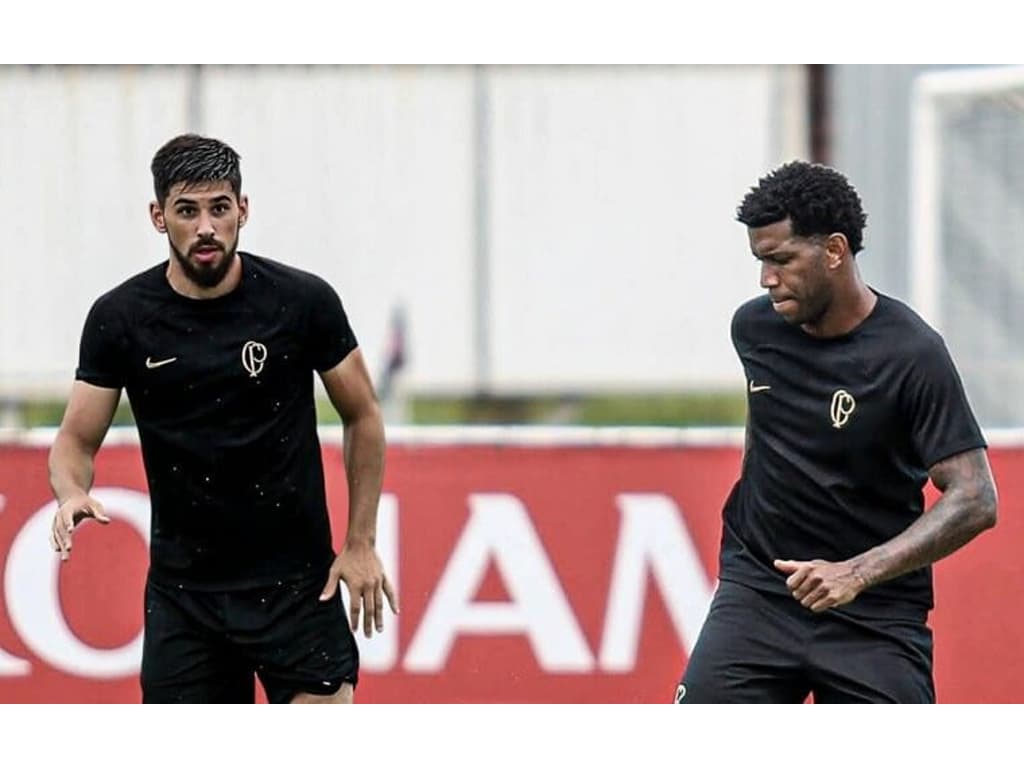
849	308
181	283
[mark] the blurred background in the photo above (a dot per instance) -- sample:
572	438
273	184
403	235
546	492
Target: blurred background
541	264
520	244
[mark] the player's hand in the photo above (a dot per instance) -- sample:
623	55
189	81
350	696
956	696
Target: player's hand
74	510
819	584
361	570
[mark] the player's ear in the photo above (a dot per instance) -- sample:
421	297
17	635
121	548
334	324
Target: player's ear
156	215
837	248
243	210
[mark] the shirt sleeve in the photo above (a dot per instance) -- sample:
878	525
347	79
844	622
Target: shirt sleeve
330	336
103	353
942	423
737	331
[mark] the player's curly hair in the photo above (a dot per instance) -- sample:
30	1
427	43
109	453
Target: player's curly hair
817	200
194	159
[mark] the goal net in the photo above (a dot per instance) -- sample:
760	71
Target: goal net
967	229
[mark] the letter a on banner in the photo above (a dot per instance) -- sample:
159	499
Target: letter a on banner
499	529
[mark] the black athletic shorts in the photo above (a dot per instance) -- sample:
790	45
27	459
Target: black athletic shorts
759	647
207	646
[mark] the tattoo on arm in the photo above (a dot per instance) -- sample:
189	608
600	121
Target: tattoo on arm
967	507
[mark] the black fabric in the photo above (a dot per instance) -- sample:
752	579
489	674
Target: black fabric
758	647
841	433
206	647
222	393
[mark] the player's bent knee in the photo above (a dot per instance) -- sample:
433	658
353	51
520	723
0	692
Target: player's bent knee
344	695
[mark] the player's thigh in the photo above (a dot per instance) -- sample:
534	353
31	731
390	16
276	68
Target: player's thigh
184	656
300	644
749	650
860	661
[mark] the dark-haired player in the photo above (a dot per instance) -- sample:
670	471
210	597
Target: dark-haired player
216	350
853	404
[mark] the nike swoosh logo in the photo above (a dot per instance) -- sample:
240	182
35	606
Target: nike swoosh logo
151	363
761	388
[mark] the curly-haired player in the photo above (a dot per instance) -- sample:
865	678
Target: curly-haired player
853	403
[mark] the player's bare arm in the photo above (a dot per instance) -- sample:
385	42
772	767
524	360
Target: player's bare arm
351	392
966	508
87	418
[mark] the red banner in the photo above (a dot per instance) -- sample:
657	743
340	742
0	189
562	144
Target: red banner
526	573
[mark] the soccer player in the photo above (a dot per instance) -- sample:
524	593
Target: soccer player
853	404
216	350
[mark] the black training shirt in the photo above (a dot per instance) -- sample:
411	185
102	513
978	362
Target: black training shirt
841	433
222	393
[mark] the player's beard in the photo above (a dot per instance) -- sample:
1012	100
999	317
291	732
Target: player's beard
206	275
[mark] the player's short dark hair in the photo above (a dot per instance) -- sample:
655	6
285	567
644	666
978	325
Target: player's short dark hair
817	200
194	159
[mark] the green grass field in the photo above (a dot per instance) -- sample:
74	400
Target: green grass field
660	409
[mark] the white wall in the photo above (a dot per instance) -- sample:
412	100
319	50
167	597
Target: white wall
363	176
614	259
74	193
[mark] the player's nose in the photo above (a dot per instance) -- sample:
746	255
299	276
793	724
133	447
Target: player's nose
769	277
205	224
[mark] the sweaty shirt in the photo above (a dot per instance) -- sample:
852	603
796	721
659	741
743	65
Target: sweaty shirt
222	393
841	433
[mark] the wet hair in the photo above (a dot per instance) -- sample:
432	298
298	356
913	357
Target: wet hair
817	200
194	159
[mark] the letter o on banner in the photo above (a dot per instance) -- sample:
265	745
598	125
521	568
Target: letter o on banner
33	599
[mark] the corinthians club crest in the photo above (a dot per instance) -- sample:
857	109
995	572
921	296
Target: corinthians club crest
843	406
254	355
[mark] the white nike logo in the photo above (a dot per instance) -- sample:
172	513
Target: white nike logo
150	363
761	388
